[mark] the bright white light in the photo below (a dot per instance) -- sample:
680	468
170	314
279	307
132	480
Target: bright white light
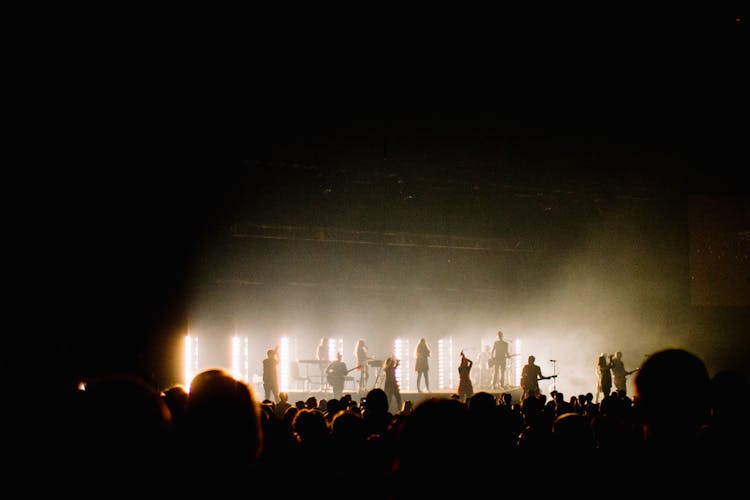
401	352
332	347
284	358
517	363
236	357
246	359
240	364
446	364
190	362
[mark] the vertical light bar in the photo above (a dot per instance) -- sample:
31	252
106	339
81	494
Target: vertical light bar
441	364
399	350
236	364
397	354
240	363
332	349
284	356
518	363
338	347
191	359
446	376
407	364
452	366
246	359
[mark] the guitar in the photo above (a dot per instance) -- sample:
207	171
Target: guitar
524	380
334	375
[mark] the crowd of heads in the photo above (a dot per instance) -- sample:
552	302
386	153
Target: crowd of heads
218	433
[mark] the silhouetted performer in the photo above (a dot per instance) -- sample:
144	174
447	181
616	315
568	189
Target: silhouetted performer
619	373
422	365
603	377
270	375
336	374
465	387
390	385
499	356
531	374
363	357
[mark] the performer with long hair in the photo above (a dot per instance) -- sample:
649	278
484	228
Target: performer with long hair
422	365
362	354
465	386
390	385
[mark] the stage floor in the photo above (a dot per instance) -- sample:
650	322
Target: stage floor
414	397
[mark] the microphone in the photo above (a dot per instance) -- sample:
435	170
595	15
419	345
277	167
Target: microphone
552	360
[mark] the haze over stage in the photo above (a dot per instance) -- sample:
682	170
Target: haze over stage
585	204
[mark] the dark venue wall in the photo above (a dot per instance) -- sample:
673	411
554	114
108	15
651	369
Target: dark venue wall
555	176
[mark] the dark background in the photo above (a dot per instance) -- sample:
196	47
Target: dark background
543	138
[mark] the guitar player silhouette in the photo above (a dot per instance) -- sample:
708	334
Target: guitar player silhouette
336	375
531	374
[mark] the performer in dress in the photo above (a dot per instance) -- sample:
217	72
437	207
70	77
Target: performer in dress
362	354
422	365
390	385
603	377
465	387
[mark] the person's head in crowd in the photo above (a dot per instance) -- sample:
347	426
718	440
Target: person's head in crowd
123	426
176	398
376	401
223	417
672	396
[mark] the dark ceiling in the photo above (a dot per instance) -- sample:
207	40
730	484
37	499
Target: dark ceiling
494	136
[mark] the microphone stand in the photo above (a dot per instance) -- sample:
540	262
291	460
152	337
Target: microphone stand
554	373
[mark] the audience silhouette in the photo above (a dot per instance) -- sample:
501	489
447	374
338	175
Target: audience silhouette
222	427
677	436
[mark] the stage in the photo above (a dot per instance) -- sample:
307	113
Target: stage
414	397
307	374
